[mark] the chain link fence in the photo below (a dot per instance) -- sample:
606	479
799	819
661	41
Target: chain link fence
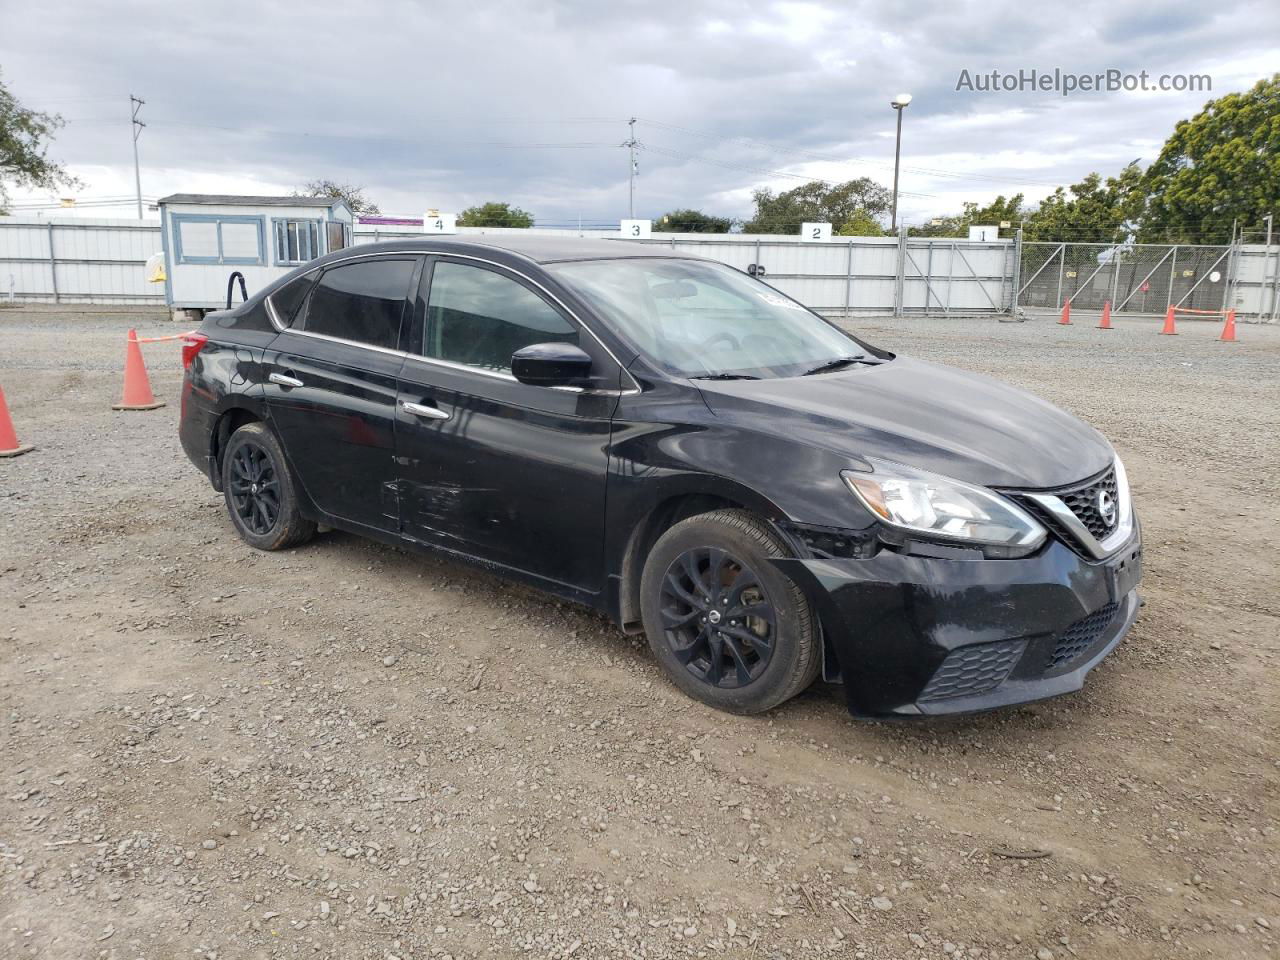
1135	278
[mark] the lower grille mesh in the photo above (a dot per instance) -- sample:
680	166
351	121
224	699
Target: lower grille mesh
974	669
1081	635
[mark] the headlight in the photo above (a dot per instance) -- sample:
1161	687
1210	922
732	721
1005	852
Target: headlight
939	507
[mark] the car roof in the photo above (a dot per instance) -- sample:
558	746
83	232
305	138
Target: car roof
537	249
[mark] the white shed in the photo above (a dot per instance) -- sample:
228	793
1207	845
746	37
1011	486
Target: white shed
207	237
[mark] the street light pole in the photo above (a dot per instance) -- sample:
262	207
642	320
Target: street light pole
899	103
137	125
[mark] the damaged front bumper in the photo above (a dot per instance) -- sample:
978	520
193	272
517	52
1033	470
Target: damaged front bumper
916	635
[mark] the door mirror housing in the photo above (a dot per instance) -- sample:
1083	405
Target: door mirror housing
552	365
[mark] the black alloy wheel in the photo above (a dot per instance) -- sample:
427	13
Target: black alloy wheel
717	617
260	490
255	488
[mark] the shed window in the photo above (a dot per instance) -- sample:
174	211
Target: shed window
339	235
201	238
240	241
297	241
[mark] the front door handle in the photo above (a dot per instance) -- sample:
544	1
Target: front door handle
284	380
422	410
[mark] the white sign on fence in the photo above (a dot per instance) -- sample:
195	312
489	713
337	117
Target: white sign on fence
434	222
815	231
635	229
985	233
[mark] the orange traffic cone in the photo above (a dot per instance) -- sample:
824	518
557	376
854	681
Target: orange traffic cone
1229	328
1168	323
1066	313
1105	322
9	445
137	389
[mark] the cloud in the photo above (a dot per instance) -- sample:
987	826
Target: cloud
446	104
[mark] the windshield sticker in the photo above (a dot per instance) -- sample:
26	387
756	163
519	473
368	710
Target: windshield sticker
780	302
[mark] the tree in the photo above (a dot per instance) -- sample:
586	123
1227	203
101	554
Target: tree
1091	211
692	221
856	202
354	195
861	224
24	141
495	214
999	210
1222	164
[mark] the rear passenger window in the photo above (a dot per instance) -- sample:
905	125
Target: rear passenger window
480	318
361	301
289	298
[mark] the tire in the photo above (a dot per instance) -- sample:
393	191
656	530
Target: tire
753	664
254	470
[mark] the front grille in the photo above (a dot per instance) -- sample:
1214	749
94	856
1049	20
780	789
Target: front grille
1081	635
1083	502
974	669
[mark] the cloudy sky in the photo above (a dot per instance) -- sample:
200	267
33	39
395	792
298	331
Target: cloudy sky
445	104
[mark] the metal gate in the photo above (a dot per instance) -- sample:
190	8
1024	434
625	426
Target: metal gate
1135	278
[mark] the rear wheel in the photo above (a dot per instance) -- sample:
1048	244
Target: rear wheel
726	626
260	492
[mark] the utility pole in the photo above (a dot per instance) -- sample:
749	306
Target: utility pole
135	104
631	143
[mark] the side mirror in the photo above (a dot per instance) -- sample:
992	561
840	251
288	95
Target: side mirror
551	365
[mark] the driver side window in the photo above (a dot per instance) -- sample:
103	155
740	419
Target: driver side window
479	318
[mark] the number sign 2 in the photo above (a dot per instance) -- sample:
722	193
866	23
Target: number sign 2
815	232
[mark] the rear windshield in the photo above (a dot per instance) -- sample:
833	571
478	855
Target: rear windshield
698	319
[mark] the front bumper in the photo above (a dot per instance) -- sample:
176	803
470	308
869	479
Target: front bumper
923	636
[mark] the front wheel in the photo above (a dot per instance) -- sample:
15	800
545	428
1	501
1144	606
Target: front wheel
260	493
726	626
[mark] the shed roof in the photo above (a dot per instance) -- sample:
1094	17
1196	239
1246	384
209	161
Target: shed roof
233	200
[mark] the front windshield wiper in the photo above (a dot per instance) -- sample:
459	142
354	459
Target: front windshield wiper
725	376
837	363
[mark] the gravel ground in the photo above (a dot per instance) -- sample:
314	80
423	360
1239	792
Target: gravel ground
348	751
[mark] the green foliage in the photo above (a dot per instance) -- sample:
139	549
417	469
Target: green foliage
1222	164
354	195
691	221
1091	211
861	224
24	141
854	204
994	213
495	214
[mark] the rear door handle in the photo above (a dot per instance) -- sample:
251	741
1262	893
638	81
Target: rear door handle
422	410
284	380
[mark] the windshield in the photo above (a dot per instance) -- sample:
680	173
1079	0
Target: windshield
697	319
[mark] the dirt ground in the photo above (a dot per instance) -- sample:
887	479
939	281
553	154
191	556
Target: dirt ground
349	751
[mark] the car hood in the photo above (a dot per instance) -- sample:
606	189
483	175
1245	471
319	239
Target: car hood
925	415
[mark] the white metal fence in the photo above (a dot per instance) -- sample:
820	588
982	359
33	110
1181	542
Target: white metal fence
101	261
77	260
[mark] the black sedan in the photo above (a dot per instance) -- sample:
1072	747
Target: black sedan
685	448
